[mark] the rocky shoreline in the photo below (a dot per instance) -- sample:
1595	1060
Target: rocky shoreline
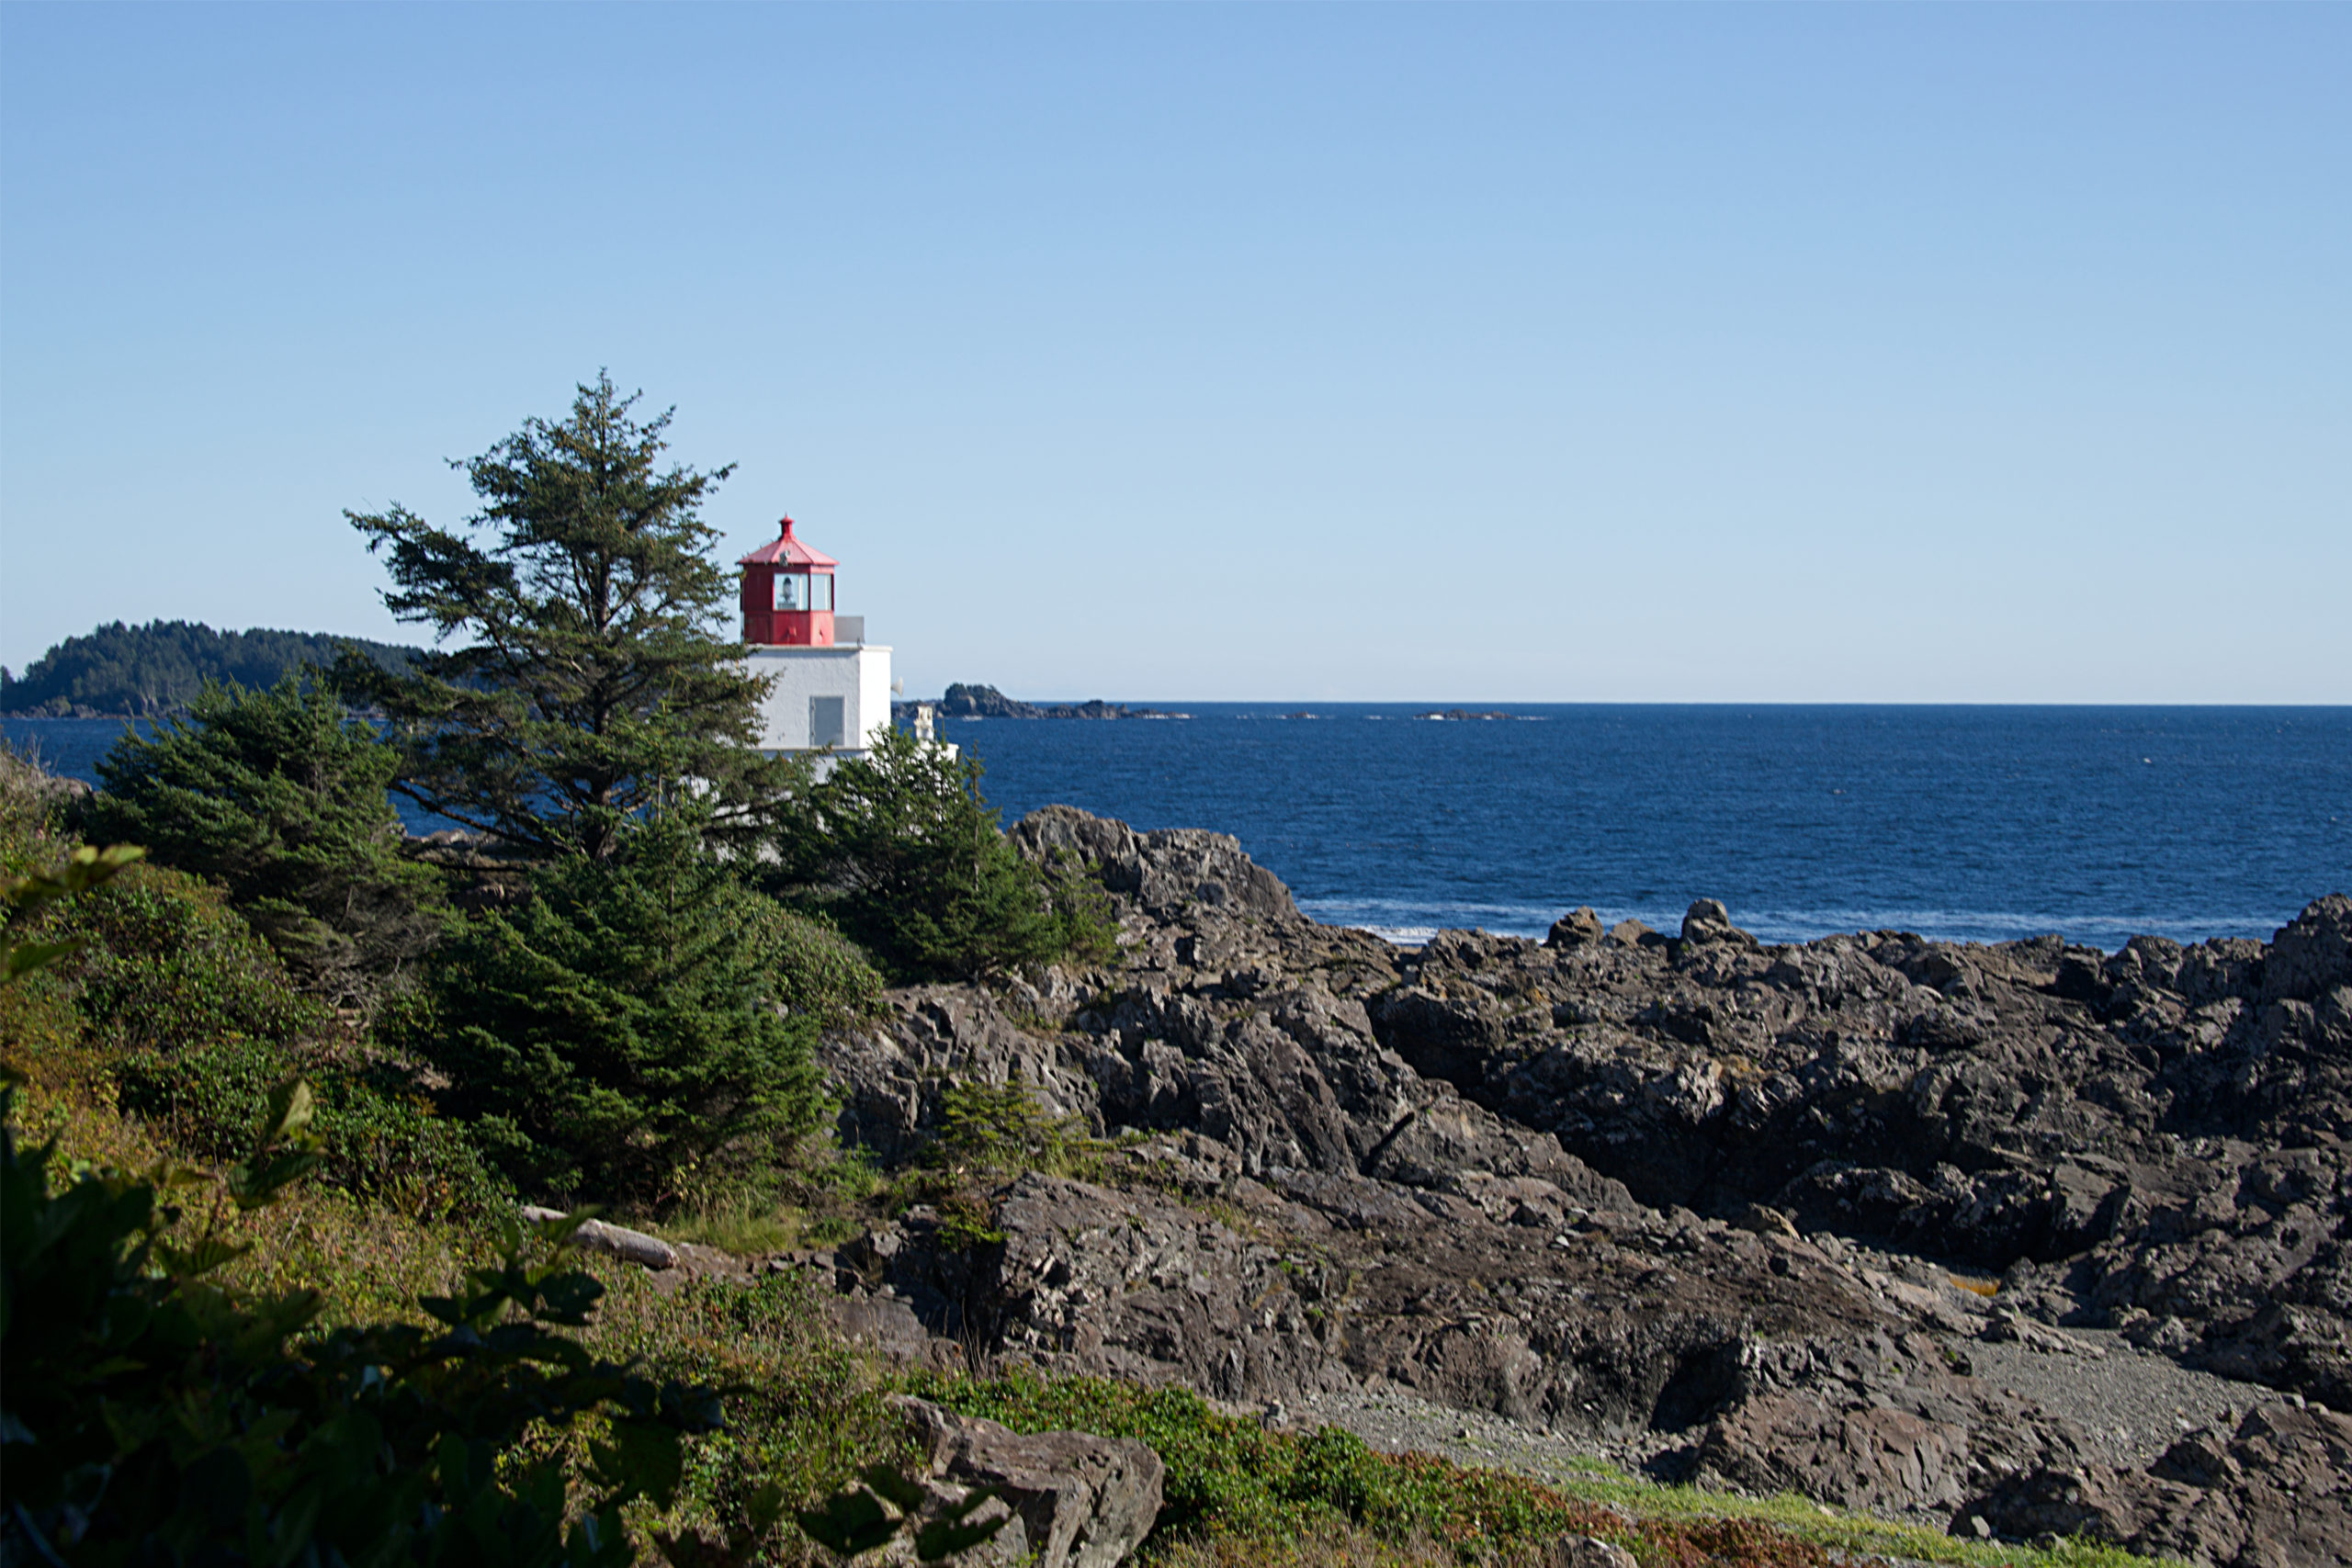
2019	1240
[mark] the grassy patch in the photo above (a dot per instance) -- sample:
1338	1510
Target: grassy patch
744	1224
1831	1527
1238	1494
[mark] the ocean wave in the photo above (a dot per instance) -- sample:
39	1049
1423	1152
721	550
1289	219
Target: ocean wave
1410	923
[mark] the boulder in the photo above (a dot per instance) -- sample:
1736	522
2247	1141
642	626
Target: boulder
619	1241
2313	955
1708	921
1081	1501
2275	1493
1588	1551
1579	928
1882	1460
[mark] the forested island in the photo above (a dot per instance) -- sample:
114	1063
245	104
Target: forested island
155	671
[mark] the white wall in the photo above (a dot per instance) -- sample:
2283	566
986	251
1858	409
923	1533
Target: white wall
860	676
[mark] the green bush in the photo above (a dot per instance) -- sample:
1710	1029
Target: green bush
1002	1129
624	1033
823	973
279	796
169	968
153	1416
381	1138
900	848
169	1008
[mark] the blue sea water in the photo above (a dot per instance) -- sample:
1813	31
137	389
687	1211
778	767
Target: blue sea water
1962	823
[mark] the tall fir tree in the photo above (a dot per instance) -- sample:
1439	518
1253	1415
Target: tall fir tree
589	674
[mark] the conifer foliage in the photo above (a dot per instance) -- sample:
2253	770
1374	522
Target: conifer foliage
279	796
590	671
623	1035
902	849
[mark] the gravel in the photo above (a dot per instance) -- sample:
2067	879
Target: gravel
2132	1403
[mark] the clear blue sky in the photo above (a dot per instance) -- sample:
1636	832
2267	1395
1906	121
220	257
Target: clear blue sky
1535	353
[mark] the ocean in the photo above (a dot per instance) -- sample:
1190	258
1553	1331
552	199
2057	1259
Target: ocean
1958	823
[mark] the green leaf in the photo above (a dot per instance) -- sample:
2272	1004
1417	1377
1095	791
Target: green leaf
643	1459
195	1262
26	957
291	1106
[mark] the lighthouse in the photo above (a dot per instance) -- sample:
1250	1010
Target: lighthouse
828	688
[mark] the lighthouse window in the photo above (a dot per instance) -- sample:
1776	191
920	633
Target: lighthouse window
820	590
828	724
791	590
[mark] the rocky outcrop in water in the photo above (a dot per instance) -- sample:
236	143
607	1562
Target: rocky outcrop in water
960	701
1804	1216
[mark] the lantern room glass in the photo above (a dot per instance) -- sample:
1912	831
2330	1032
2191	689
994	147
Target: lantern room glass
804	591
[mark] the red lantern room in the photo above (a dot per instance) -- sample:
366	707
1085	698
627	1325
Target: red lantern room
788	595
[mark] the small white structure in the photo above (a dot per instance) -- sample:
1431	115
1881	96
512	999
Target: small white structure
828	688
836	697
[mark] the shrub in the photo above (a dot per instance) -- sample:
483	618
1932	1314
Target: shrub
153	1415
624	1033
823	973
902	850
1001	1129
169	1008
158	968
279	796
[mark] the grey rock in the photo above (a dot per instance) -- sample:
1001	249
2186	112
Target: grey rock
1625	1187
1588	1551
1708	921
1083	1501
1579	928
2272	1494
619	1241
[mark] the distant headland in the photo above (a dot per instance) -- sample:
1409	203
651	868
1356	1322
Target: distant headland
154	670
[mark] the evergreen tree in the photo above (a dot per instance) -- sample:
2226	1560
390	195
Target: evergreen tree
279	796
900	848
623	1035
591	674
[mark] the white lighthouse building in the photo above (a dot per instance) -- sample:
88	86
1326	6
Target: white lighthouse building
828	687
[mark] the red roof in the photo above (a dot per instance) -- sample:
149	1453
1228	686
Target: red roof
785	550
